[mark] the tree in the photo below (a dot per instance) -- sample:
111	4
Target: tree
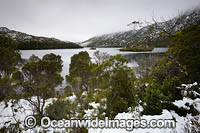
100	57
9	62
136	25
79	71
164	68
119	80
10	56
41	76
6	88
61	109
185	51
161	86
107	73
152	99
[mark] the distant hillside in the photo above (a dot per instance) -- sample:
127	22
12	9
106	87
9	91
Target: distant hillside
110	40
25	41
150	35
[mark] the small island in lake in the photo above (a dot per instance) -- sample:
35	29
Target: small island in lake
92	48
137	48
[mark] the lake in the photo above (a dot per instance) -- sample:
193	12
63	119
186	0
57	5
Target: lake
133	57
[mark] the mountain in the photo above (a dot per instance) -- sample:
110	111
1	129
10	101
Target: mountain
151	35
26	41
110	40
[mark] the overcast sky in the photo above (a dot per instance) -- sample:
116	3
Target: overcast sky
78	20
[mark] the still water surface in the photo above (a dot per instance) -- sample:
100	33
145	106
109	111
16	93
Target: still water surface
133	57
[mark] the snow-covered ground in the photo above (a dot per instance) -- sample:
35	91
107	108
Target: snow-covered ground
17	112
183	124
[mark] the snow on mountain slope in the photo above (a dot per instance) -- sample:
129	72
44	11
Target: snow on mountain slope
118	39
26	41
150	34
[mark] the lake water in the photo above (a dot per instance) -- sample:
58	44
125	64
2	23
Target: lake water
66	54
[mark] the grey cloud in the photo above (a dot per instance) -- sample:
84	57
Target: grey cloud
77	20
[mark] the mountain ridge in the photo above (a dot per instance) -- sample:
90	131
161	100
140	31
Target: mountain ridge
150	34
26	41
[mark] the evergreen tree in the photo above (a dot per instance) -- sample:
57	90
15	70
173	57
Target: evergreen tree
185	50
79	71
41	78
9	61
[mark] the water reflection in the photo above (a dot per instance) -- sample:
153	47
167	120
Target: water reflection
141	62
133	57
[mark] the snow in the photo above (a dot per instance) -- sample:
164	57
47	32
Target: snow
140	35
84	93
93	111
84	44
27	37
165	115
181	103
188	86
88	113
94	105
13	35
181	122
23	108
72	98
4	29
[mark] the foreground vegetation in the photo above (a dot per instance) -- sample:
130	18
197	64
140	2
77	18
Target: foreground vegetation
107	81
